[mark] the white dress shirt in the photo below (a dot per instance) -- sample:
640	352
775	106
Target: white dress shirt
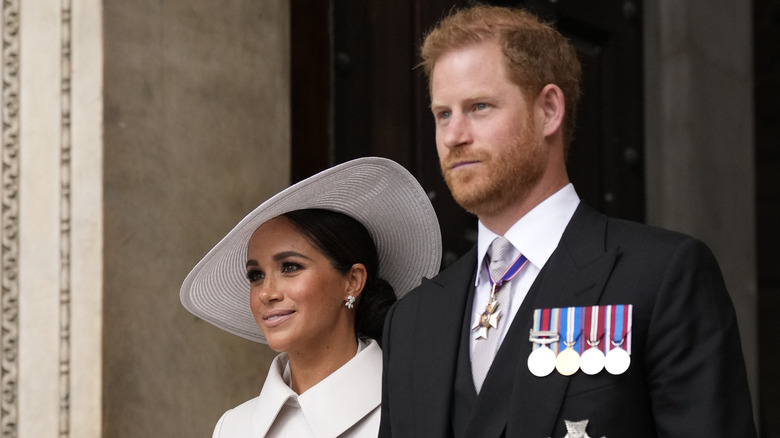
536	235
344	404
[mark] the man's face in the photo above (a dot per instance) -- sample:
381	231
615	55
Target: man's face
490	149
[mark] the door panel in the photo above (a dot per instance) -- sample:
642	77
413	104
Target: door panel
377	103
606	159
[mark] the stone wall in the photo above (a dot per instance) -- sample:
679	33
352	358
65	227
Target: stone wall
196	135
699	148
135	134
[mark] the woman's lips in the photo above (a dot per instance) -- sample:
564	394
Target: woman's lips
273	319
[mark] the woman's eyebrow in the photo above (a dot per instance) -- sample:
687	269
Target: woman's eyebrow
286	254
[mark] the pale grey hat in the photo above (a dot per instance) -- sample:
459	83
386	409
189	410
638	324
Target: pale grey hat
378	192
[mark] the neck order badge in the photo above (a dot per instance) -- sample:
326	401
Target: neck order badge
491	316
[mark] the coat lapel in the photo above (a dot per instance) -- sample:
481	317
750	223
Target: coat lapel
575	275
436	346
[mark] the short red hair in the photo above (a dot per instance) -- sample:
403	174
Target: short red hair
536	54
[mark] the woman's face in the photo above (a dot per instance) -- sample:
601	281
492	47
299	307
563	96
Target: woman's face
296	295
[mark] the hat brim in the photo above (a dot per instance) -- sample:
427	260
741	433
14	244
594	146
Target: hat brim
378	192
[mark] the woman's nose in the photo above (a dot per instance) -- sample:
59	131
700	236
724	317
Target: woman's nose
269	292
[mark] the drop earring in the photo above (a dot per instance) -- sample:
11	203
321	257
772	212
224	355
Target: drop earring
350	302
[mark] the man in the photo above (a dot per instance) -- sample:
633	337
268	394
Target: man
592	326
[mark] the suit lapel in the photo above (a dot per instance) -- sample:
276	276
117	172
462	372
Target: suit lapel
579	268
436	346
575	275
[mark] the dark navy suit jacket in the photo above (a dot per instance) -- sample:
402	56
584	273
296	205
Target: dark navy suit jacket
687	375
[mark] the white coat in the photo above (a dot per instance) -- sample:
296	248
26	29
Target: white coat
344	404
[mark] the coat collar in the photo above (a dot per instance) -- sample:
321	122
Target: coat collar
272	398
355	389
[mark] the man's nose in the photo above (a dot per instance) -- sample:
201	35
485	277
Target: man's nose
455	133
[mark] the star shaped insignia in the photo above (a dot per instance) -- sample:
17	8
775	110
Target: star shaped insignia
485	320
576	429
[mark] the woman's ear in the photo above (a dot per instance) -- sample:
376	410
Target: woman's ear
356	280
553	108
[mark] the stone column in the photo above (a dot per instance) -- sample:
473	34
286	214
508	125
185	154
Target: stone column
699	139
134	136
51	219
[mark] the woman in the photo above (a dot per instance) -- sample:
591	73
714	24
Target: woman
311	272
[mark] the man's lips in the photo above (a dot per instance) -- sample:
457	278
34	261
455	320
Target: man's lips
461	164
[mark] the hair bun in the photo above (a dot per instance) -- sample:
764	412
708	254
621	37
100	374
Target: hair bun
374	303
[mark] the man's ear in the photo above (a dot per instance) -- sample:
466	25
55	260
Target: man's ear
553	108
356	279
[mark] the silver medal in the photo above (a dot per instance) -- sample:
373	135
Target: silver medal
592	361
541	362
617	361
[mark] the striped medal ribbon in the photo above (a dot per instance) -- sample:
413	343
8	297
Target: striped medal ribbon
618	357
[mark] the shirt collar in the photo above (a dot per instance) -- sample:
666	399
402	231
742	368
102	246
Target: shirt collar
537	233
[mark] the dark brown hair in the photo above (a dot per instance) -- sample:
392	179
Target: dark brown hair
345	242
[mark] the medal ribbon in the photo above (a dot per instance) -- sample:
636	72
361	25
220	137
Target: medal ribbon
593	323
541	319
488	318
555	325
629	314
602	317
510	273
544	320
621	320
605	324
571	320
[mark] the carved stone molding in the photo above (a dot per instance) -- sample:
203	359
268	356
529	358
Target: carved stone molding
65	220
9	340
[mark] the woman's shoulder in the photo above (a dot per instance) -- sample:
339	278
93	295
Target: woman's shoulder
235	422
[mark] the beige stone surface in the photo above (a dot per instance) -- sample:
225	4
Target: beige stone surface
86	236
699	130
196	135
39	214
143	133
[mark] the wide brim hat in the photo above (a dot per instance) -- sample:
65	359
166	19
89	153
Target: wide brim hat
378	192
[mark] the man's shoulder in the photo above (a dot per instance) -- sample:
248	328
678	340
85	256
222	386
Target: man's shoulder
628	234
624	232
458	273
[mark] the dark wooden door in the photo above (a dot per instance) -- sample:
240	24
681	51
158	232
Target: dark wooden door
606	158
355	92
